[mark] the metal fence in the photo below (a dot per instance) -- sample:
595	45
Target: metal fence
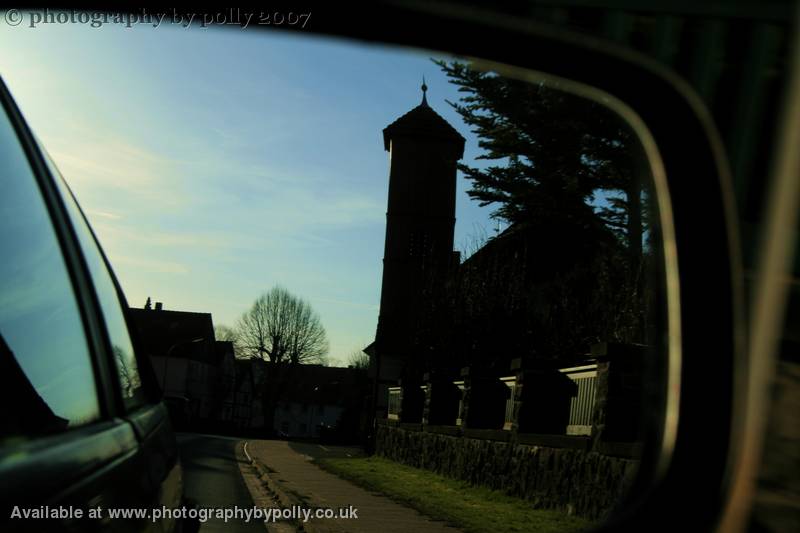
393	410
511	383
582	405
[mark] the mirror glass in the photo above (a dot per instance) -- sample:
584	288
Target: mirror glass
451	272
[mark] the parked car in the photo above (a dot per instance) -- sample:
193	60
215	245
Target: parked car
82	427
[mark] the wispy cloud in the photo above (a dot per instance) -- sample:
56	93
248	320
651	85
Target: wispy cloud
103	214
152	265
151	236
291	200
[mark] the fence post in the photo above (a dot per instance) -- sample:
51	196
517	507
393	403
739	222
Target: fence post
542	400
412	401
484	401
442	399
618	405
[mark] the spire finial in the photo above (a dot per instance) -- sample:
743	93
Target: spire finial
424	90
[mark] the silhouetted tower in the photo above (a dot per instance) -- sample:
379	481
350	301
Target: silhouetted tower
420	219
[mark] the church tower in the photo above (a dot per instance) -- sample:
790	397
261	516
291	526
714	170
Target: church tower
420	220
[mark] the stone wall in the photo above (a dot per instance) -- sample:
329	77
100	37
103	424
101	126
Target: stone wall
574	480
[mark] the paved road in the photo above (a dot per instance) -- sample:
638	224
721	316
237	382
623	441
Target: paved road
212	478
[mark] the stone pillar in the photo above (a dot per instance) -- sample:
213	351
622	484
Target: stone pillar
412	401
442	399
618	408
484	401
541	400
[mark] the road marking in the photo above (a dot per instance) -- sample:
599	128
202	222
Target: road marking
249	459
182	435
323	447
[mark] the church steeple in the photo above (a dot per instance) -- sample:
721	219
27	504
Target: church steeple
420	219
422	123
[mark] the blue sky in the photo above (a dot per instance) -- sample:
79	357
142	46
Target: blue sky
214	164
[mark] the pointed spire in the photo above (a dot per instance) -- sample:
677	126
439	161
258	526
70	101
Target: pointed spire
424	90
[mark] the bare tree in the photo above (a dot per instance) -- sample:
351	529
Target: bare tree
282	328
283	331
358	359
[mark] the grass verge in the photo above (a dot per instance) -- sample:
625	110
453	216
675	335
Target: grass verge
473	509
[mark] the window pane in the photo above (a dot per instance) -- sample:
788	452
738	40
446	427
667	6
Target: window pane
46	379
124	357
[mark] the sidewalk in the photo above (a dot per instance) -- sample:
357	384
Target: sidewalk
298	481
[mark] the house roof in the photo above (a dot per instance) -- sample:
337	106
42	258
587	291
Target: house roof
180	334
370	349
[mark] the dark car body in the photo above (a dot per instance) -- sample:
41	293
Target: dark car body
66	339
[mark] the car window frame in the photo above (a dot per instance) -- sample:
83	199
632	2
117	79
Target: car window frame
152	392
125	442
56	465
107	383
77	271
149	417
107	380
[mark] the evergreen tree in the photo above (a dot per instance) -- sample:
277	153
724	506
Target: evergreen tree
566	174
551	153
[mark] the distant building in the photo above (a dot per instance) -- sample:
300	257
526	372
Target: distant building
192	369
246	400
207	388
226	367
317	399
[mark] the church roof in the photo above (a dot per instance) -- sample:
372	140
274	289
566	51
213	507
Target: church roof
422	121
